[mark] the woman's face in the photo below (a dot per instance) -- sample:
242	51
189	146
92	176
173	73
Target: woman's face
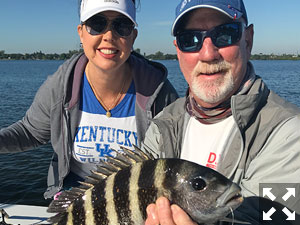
106	51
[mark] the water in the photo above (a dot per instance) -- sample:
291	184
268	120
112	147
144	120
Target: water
24	175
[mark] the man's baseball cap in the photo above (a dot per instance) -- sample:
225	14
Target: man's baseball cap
90	8
235	9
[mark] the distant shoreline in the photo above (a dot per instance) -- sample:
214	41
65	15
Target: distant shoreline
157	56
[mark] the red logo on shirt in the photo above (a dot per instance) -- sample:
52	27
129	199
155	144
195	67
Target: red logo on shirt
212	161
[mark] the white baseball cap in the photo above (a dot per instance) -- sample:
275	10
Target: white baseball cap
90	8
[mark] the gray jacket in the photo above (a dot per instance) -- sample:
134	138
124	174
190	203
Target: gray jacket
264	146
54	113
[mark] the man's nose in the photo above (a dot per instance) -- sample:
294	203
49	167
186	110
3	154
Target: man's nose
208	52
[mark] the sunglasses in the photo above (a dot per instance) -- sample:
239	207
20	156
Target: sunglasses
122	26
222	36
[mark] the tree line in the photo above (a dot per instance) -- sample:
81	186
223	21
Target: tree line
37	56
275	57
157	56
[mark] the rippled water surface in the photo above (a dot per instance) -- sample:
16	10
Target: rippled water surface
23	175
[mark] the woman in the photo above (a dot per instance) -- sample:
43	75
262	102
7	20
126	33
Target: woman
101	99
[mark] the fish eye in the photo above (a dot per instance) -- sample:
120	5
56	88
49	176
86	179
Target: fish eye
198	184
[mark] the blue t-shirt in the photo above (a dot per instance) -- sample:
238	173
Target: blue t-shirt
97	134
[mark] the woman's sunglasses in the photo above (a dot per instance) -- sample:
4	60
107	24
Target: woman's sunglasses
98	24
222	36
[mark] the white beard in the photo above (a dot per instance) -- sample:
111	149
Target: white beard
217	90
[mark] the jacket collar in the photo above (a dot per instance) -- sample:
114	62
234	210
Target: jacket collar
244	107
78	73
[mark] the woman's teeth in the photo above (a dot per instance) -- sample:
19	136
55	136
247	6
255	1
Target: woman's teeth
108	51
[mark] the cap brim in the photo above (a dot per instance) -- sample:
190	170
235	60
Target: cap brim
227	13
85	17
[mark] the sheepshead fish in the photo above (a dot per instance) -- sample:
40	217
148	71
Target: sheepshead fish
122	188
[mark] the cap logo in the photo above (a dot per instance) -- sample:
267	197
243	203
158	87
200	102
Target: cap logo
113	1
183	4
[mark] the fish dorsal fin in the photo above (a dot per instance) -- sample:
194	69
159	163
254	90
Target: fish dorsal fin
64	200
132	155
122	159
145	153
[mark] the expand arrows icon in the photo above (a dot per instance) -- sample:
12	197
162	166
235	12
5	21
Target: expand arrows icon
291	216
290	192
267	215
267	192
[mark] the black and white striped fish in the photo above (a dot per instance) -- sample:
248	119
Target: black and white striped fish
120	191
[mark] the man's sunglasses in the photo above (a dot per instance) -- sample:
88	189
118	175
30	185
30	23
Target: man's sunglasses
222	36
98	24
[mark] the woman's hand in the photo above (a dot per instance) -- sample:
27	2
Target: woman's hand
165	214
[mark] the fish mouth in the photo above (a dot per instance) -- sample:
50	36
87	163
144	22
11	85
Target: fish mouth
232	197
235	200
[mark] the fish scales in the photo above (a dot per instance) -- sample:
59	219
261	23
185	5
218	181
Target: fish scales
110	201
78	213
89	208
122	197
147	192
99	203
130	197
160	176
134	195
177	170
69	217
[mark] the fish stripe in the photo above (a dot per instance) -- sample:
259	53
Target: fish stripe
99	204
110	204
137	216
78	212
70	215
159	178
121	196
88	207
147	191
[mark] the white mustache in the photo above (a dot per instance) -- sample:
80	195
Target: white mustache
210	68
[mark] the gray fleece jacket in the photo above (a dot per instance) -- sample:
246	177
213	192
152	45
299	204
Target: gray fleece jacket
54	113
264	146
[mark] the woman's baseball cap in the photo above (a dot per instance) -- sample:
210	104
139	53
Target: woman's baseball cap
90	8
235	9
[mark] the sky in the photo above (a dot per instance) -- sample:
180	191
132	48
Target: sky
50	26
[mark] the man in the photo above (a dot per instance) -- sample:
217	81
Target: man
229	120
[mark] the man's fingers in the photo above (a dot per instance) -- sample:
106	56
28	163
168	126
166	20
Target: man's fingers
180	217
152	217
164	211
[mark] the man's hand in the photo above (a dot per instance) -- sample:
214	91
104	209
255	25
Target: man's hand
165	214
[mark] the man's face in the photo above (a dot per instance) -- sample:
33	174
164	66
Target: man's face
213	73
